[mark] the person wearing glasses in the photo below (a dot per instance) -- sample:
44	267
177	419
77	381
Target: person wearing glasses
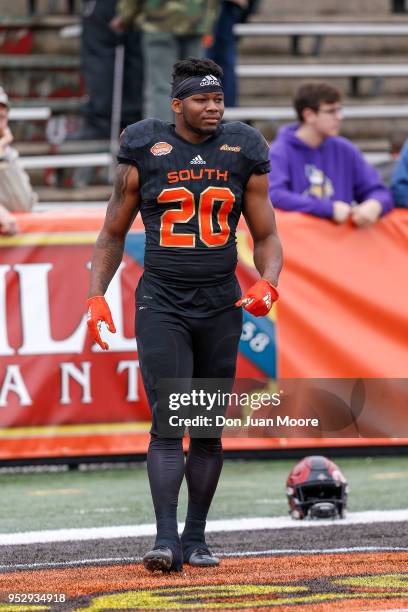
316	171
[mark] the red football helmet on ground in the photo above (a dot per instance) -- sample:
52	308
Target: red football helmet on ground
316	488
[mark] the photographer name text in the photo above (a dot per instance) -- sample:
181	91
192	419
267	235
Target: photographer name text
249	421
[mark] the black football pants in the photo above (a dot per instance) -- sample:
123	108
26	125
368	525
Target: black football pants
174	346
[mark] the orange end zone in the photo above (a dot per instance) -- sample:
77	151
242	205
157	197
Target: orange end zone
308	582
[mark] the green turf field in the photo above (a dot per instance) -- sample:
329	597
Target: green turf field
122	497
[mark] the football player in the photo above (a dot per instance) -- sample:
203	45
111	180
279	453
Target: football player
191	181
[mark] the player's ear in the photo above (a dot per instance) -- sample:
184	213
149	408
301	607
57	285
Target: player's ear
176	106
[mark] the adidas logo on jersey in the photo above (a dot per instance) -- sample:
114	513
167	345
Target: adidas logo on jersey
210	79
198	160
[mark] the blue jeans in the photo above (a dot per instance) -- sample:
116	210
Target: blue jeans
223	50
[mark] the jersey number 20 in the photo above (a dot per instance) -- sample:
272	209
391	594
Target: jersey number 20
205	210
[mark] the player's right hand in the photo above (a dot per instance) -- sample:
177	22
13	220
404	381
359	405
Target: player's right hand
98	311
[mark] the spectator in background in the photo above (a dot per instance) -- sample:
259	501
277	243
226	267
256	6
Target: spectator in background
316	171
399	182
396	142
223	48
98	45
172	30
16	194
8	225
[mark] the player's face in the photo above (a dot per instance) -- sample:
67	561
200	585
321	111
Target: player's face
327	120
202	113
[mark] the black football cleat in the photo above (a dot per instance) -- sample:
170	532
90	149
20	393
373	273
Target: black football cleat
202	557
162	559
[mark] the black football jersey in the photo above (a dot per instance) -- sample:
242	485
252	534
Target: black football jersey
191	201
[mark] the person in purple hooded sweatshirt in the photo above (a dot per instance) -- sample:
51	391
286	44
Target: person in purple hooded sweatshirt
316	171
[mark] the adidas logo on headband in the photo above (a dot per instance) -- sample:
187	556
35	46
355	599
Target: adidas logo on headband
210	79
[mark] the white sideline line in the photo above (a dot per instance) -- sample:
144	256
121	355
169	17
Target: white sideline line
245	524
255	553
313	551
73	563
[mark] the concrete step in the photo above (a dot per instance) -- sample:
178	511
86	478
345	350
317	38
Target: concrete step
65	148
32	136
40	75
267	89
354	130
43	7
351	60
68	178
282	85
37	22
39	61
57	105
57	83
40	149
330	46
90	193
315	9
358	17
38	34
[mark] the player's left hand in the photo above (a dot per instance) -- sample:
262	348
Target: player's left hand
98	311
259	298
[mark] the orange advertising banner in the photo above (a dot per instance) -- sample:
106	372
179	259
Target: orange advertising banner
344	306
342	314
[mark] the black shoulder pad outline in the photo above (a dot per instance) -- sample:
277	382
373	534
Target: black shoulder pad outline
141	133
254	146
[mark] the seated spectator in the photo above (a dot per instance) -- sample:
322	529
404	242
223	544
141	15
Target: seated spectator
399	182
8	225
386	168
16	194
316	171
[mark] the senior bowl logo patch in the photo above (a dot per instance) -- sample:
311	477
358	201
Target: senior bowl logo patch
227	147
161	148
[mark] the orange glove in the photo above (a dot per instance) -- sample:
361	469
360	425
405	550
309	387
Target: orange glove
259	298
98	310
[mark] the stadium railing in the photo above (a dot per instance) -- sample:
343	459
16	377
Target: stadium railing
277	113
319	30
32	162
352	71
104	159
34	113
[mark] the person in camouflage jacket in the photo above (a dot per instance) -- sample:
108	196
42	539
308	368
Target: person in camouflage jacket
181	17
172	30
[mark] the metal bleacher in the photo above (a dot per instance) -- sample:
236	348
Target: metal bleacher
39	113
319	31
260	71
279	113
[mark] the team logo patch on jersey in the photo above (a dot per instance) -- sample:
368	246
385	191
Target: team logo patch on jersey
227	147
198	160
161	148
210	79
